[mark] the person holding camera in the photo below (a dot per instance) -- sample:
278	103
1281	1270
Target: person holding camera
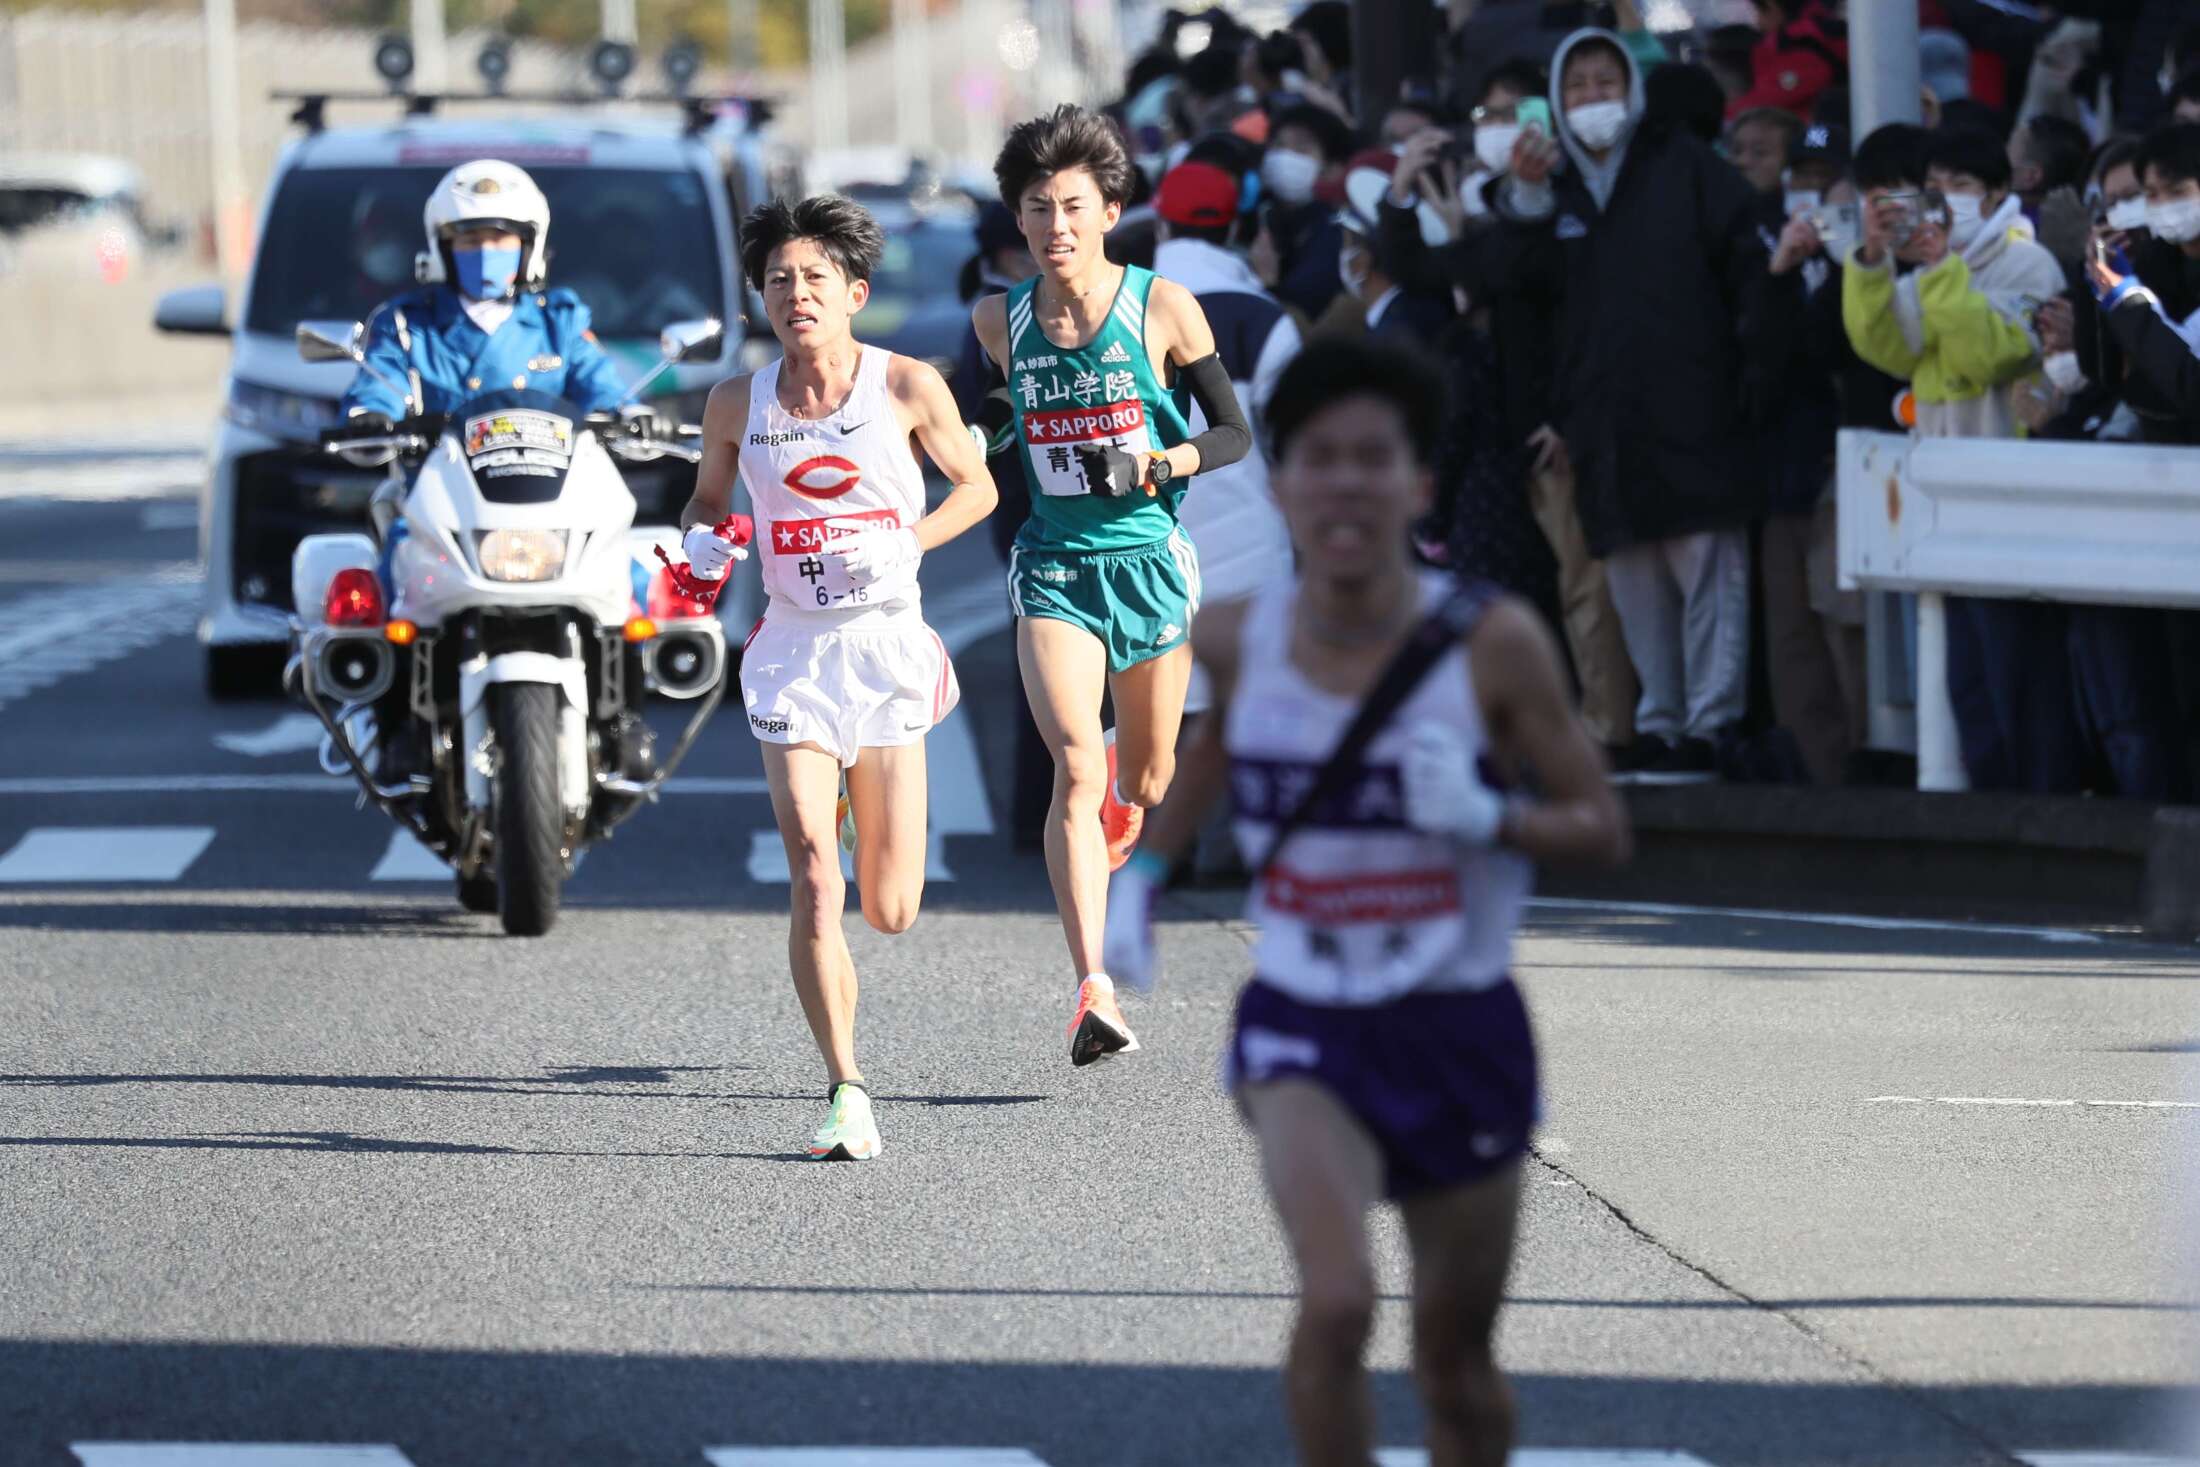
1958	325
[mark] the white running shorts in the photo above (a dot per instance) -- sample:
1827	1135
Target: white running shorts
846	689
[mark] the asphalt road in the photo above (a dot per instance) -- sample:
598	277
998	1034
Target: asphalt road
293	1154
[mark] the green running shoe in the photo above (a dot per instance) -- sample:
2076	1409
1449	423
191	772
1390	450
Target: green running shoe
849	1134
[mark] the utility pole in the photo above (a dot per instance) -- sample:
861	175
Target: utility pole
232	222
742	41
912	78
828	76
431	67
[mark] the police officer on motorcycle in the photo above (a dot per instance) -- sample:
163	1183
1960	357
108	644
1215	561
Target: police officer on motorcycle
482	321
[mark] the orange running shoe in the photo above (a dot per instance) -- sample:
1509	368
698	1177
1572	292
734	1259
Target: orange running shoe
1092	1037
1120	823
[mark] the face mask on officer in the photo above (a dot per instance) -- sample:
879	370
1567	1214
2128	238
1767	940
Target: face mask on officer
485	264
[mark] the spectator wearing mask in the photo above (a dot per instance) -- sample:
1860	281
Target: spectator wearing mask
1389	308
1499	32
1804	50
1958	326
1814	641
1302	176
2149	297
1650	247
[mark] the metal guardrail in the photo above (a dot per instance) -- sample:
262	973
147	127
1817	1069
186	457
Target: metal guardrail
2088	523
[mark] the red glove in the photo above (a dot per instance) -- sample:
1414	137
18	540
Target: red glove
738	528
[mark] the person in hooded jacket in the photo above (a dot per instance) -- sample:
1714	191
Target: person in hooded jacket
1959	327
1649	384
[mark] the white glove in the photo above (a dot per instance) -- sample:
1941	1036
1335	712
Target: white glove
710	554
873	555
1444	792
1126	942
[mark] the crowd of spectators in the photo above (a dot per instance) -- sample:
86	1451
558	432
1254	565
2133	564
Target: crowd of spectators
1658	275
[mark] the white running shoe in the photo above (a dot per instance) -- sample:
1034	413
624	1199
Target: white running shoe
849	1133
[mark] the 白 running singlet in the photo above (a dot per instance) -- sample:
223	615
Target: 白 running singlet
1360	908
812	482
1103	392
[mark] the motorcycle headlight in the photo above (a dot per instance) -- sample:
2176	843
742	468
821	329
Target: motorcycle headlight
274	411
522	555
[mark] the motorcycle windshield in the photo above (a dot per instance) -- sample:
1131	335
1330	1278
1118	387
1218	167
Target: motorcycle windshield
518	443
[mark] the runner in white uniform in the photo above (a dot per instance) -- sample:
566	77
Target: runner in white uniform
841	678
1381	1050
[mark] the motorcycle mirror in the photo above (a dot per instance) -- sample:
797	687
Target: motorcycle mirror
684	341
330	341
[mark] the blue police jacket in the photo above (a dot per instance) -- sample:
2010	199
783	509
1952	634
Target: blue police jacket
544	344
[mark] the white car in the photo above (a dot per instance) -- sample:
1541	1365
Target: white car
642	229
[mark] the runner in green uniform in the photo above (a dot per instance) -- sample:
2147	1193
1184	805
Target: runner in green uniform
1100	360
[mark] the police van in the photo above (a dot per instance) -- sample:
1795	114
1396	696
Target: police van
642	228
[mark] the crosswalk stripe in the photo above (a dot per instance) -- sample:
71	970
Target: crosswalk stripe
871	1457
51	854
54	634
228	1454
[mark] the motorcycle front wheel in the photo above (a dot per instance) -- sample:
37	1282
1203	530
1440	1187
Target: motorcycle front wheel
530	822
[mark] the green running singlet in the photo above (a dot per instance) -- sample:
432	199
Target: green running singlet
1103	392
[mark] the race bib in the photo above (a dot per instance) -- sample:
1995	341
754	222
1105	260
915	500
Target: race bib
810	572
1053	437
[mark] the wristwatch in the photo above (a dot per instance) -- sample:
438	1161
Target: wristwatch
1158	472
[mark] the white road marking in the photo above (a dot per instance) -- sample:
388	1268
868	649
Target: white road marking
1823	919
53	854
407	859
232	1454
60	477
49	635
2021	1101
871	1457
1555	1457
293	733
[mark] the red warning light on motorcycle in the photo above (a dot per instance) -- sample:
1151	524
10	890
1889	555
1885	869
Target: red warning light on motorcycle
828	476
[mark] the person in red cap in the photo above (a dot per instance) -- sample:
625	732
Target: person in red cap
1234	520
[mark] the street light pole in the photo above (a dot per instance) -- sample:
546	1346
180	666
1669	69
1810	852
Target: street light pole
232	247
742	21
431	73
828	76
912	78
619	22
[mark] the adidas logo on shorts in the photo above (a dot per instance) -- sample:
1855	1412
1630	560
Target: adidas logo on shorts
1115	353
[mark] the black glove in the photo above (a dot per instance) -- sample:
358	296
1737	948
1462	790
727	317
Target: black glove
1111	471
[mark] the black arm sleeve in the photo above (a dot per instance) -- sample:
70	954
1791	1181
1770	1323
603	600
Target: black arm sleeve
1228	438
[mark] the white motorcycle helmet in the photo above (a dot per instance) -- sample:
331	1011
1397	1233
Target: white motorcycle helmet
486	191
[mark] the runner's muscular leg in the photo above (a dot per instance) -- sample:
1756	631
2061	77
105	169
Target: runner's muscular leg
1462	1240
1149	713
1065	671
886	790
1323	1174
805	789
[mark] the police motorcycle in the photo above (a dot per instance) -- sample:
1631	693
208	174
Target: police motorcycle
522	629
